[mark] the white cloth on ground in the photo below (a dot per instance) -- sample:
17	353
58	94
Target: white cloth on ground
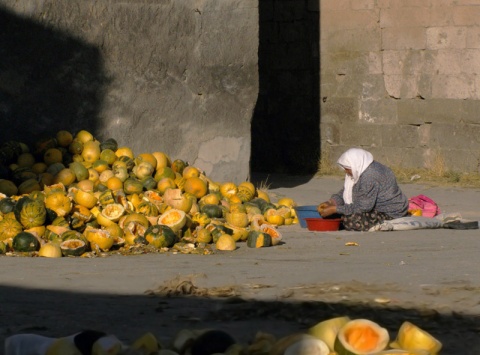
414	222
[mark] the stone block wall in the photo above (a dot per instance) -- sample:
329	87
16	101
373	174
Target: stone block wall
401	79
177	76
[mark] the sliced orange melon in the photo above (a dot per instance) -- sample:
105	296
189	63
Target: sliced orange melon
361	336
173	218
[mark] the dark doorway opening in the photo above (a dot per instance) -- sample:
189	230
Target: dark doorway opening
286	120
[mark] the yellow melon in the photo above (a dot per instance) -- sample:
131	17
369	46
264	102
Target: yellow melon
226	242
247	185
228	189
162	159
211	199
361	336
190	171
100	165
86	185
64	138
195	186
75	147
46	179
8	187
50	250
91	151
286	201
39	167
93	175
28	186
113	211
26	160
114	183
263	194
85	198
59	202
84	136
238	219
124	151
173	218
105	175
100	238
52	155
108	155
65	176
148	157
164	184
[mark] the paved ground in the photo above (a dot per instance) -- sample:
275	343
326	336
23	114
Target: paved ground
429	277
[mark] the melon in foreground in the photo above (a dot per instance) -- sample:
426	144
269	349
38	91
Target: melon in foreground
226	242
160	236
100	238
308	346
403	352
411	337
361	337
327	330
148	343
73	247
299	344
25	242
50	250
258	239
3	247
273	232
173	218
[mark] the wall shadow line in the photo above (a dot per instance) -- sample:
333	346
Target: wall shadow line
60	313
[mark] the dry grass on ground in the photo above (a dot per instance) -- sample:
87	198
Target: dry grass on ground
437	174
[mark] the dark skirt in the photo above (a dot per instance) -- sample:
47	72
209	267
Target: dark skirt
363	221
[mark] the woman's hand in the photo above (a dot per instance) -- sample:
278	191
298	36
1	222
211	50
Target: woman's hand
325	205
328	211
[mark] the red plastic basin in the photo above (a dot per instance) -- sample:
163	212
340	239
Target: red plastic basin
323	224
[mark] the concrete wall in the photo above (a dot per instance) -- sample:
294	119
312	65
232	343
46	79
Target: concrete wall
401	78
239	85
178	76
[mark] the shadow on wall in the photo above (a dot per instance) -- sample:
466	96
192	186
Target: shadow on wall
49	80
58	314
286	120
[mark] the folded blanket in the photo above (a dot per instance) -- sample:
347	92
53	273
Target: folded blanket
451	221
408	223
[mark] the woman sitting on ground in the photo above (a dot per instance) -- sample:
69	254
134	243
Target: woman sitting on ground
370	195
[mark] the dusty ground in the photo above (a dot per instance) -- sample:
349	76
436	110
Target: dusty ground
428	277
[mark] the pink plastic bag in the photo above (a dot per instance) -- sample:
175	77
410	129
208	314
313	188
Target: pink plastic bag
426	204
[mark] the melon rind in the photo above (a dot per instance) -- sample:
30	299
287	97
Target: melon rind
342	347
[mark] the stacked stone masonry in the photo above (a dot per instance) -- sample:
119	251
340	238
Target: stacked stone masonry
401	78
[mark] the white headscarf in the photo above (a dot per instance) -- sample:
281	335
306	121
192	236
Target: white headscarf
357	160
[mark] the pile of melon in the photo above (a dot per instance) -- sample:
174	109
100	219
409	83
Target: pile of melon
335	336
73	195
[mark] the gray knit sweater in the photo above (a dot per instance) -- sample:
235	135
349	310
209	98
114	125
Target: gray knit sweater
376	189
